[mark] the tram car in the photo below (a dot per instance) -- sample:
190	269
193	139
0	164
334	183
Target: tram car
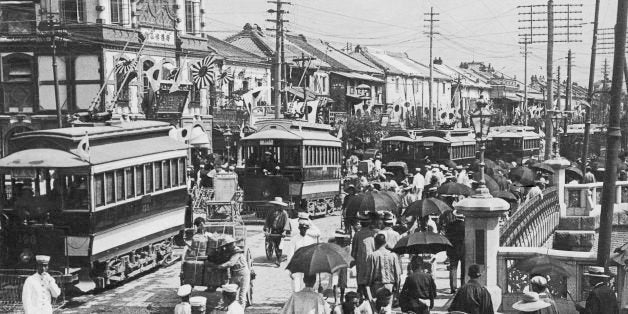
572	141
103	201
513	143
400	146
299	161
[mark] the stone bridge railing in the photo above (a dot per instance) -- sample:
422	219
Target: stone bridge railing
533	223
582	199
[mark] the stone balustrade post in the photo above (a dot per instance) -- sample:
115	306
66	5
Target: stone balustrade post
559	165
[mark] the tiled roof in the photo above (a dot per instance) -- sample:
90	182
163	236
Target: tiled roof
231	52
401	64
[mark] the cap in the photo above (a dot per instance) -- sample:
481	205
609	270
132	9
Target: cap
475	271
303	215
198	301
539	281
389	217
184	290
229	288
596	271
362	216
305	223
42	259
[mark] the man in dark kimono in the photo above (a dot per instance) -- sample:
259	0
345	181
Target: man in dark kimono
602	299
360	248
473	298
454	232
276	224
418	285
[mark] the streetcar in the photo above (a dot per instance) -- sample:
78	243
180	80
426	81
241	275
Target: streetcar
400	146
513	143
298	161
572	141
105	202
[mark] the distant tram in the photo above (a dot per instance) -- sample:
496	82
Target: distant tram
572	142
103	213
513	143
298	161
417	147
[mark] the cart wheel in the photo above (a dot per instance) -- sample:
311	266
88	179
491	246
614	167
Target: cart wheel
269	248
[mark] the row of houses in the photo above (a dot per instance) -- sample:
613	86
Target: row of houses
154	59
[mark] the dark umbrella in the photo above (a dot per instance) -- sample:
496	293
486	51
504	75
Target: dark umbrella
489	166
574	171
544	265
450	163
422	242
453	188
542	167
370	201
429	206
491	184
524	175
505	195
319	258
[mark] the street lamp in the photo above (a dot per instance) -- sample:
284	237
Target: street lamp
481	122
227	135
556	116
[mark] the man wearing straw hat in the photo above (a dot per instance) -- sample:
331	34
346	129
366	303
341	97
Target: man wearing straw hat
602	299
276	223
184	307
240	271
530	303
39	289
229	299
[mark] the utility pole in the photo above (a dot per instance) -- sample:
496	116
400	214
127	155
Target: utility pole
587	113
303	60
51	27
568	90
278	83
524	106
604	89
558	96
564	21
461	109
431	33
613	138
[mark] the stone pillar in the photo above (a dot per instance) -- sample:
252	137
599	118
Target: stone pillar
559	165
482	213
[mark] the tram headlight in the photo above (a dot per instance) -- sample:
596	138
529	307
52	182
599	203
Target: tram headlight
26	256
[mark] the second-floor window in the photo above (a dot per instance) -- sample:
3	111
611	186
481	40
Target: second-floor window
116	11
73	10
189	16
17	87
17	18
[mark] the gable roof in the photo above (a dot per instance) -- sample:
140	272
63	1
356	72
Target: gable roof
233	53
400	64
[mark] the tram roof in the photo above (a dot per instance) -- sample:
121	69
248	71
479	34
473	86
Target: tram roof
111	130
398	138
309	133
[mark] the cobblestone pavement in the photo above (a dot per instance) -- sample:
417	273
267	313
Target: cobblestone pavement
155	292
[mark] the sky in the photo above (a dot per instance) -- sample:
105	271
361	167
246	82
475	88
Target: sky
469	30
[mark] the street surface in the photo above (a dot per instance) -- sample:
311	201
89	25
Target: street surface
155	292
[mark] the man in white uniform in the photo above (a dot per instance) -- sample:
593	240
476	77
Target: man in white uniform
303	238
39	289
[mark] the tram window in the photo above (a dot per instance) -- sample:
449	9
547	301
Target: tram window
109	187
130	182
166	174
139	180
120	193
99	189
149	177
174	172
158	176
181	172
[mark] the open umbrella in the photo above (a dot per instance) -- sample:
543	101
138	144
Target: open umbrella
491	184
505	195
544	265
370	201
319	258
574	171
429	206
450	163
422	242
452	188
524	175
542	167
489	166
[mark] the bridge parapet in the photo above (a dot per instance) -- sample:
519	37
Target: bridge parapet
585	199
534	222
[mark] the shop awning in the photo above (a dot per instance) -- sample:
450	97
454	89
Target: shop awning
42	158
359	76
298	92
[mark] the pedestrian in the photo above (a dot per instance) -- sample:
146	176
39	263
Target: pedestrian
391	235
239	269
184	307
39	289
473	298
306	301
418	285
349	219
538	284
418	182
589	177
383	270
230	300
601	299
360	249
530	303
408	197
276	224
455	233
198	247
298	241
353	305
463	176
